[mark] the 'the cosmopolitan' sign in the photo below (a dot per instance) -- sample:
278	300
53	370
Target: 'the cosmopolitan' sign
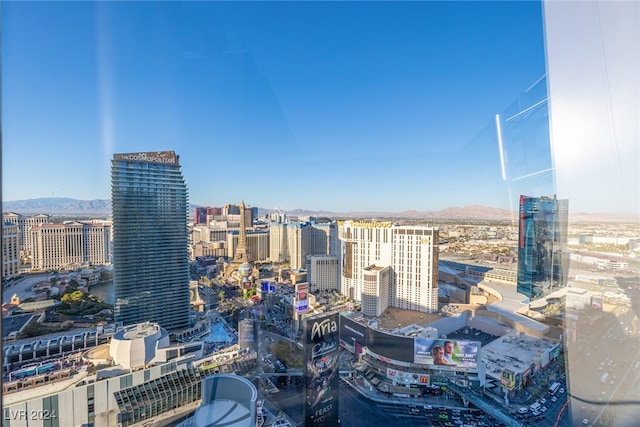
162	157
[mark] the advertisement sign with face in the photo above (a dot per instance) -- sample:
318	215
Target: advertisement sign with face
453	354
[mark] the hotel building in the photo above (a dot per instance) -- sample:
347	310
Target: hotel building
543	260
293	241
150	239
70	245
411	252
25	223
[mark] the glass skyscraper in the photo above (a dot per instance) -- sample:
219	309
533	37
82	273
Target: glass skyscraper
543	261
150	253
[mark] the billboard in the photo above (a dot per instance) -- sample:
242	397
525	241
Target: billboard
391	346
508	379
321	347
453	354
596	303
407	377
268	287
302	297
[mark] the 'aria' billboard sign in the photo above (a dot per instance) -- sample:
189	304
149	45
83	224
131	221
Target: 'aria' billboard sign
321	346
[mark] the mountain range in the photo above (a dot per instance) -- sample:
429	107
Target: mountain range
68	206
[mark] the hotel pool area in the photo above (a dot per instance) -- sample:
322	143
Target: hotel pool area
219	334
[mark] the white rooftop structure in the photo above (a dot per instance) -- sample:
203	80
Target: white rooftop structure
227	400
135	346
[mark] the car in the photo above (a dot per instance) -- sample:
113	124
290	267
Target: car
523	410
543	409
585	421
543	401
561	390
554	399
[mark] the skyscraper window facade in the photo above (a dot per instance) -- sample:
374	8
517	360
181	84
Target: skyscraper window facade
543	260
150	239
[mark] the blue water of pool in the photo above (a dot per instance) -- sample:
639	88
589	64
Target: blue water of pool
218	334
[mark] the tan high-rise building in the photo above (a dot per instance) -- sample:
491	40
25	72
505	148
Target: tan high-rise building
298	243
323	272
25	224
293	241
10	250
70	245
278	242
257	244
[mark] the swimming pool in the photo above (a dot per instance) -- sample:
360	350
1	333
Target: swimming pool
218	334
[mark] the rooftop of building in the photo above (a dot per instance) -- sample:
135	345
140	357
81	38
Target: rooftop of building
515	351
374	268
140	330
472	334
14	323
393	318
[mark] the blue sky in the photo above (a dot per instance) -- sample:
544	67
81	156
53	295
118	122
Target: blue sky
335	106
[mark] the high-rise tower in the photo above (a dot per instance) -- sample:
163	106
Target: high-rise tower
411	252
241	254
543	261
150	253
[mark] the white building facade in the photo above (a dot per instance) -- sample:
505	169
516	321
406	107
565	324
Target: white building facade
376	290
70	245
323	272
411	252
25	224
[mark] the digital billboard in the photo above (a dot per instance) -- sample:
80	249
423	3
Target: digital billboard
302	297
394	347
407	377
446	353
321	347
508	379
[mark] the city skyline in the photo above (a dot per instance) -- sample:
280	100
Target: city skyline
394	102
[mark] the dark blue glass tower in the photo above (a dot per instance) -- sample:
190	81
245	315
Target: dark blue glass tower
150	253
543	261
